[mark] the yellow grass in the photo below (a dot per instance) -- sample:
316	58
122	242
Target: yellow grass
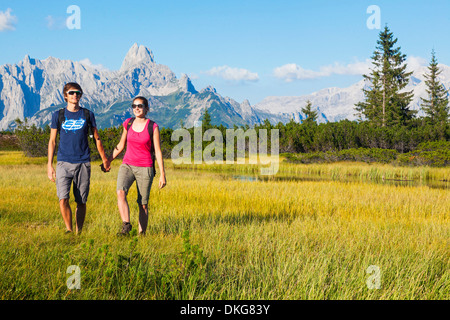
262	240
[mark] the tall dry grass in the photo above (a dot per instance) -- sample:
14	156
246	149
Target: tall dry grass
247	240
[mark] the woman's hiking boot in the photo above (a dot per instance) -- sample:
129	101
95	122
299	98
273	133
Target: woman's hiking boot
126	228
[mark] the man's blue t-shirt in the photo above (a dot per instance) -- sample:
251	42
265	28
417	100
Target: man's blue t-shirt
73	136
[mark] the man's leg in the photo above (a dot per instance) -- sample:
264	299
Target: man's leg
64	176
66	213
80	214
81	183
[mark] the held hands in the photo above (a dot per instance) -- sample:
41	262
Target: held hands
105	166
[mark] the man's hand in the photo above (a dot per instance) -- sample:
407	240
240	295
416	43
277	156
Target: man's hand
106	166
51	174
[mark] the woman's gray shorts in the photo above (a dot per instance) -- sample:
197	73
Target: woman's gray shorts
79	174
143	176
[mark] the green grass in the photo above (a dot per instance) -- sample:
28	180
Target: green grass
211	237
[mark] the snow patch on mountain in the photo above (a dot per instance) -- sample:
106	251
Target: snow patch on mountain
335	104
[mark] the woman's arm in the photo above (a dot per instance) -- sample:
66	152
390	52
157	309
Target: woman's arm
159	158
119	148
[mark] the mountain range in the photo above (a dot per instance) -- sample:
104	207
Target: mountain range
32	89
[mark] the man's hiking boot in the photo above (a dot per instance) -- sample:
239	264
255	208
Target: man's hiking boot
126	228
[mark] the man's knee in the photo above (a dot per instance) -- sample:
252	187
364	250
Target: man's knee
64	202
121	194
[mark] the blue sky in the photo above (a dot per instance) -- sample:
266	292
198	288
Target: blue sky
245	49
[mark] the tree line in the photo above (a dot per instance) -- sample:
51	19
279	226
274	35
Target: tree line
385	120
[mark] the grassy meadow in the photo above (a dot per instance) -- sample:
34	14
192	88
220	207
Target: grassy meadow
212	236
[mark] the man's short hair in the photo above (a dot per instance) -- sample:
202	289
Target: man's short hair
71	85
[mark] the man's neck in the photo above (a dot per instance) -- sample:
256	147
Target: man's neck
73	107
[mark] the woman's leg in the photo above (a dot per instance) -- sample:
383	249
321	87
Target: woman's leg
122	203
125	179
143	218
144	179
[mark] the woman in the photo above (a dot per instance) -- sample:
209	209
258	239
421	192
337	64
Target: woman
137	164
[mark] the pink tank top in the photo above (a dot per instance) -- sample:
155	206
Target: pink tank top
138	146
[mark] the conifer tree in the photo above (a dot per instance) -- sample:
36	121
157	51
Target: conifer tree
311	115
385	103
206	120
436	107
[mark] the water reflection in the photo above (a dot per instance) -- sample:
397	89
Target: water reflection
395	182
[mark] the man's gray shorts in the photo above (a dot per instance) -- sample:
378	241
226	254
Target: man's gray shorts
79	174
143	177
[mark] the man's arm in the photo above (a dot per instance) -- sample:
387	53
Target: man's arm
51	151
101	150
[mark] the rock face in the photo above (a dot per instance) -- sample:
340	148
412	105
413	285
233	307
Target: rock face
33	89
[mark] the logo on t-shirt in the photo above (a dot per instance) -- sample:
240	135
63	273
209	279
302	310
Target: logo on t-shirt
73	125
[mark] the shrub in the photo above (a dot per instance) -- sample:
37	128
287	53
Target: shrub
433	154
360	154
32	140
9	142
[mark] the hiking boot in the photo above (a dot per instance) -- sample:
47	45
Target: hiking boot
126	228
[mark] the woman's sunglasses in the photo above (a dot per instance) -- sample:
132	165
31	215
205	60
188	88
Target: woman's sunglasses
71	93
140	106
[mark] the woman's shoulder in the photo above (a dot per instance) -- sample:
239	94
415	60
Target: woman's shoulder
125	123
155	125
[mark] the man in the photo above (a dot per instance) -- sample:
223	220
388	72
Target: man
73	159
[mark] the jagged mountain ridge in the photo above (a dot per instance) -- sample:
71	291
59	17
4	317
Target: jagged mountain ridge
32	88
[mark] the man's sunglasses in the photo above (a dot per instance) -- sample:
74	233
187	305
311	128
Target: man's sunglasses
140	106
71	93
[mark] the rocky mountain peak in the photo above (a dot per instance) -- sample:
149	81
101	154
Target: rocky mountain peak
186	84
209	89
137	55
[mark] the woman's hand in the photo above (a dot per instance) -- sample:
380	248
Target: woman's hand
162	181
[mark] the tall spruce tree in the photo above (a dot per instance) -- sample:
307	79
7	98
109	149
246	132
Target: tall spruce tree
436	107
311	115
206	120
385	103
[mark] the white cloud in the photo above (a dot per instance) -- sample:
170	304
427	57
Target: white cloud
55	23
415	63
86	62
7	20
193	76
233	74
291	71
